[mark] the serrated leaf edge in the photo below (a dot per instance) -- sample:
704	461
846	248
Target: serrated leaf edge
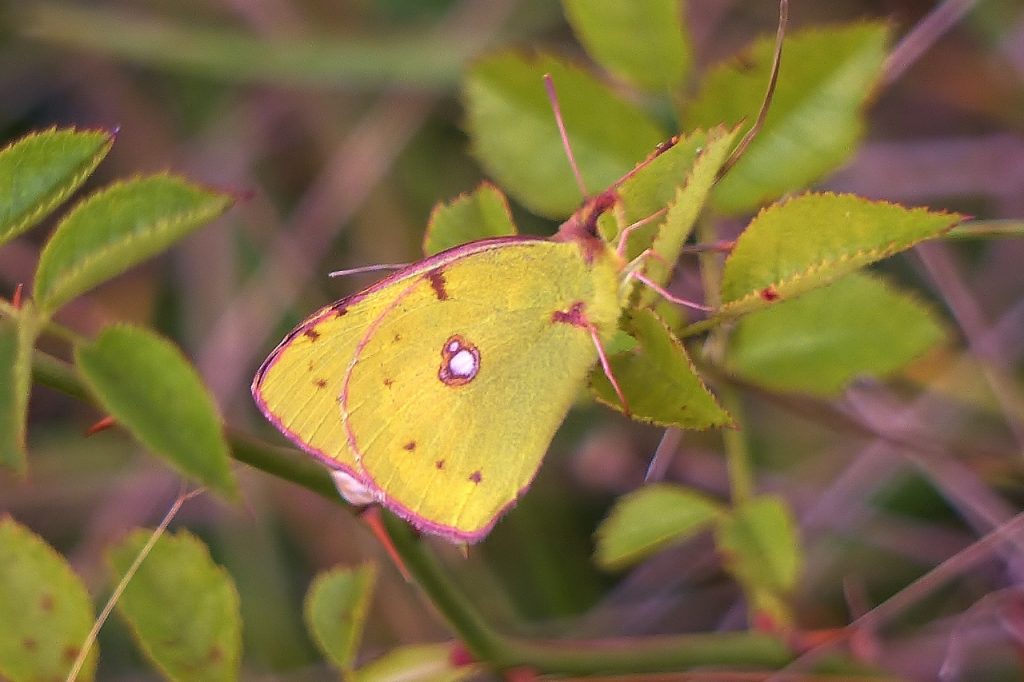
693	369
46	207
740	305
461	197
197	215
712	135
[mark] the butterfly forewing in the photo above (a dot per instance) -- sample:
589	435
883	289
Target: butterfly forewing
455	390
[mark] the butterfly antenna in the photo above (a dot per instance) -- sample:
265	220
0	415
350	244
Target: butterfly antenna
549	86
367	268
741	148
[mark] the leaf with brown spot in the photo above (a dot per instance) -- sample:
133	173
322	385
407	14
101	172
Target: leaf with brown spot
181	606
45	610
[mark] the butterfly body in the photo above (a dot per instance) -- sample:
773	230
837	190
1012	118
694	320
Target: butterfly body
438	389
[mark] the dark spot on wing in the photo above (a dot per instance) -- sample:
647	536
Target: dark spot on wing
340	310
476	476
309	365
388	381
769	294
439	464
311	334
398	337
410	446
29	644
321	383
574	315
436	279
46	602
70	653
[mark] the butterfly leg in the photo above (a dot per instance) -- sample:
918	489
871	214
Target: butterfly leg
630	229
576	317
633	272
607	367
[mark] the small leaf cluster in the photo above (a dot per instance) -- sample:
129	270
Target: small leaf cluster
139	378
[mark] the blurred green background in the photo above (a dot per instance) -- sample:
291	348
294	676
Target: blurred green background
340	124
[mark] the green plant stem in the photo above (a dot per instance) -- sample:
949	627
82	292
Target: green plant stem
700	326
986	229
571	657
419	61
282	462
737	454
628	655
48	326
741	471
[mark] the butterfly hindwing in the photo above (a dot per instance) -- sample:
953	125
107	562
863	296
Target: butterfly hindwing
297	387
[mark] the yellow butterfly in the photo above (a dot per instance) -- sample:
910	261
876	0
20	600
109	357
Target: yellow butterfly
436	391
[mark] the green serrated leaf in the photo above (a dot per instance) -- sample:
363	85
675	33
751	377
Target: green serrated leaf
418	663
684	209
650	186
117	227
515	137
818	342
482	213
40	170
760	545
44	608
182	608
641	41
658	379
335	609
814	239
645	521
815	119
17	339
151	389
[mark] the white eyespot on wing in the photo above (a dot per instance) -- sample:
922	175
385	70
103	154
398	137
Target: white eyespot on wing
460	361
463	364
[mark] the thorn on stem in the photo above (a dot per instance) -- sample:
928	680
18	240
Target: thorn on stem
371	517
102	425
